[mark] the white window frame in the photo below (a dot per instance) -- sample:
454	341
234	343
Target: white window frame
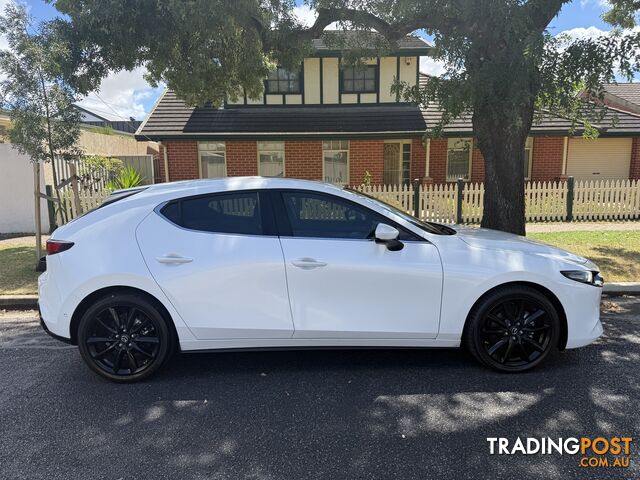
332	150
459	145
204	147
402	144
527	174
271	151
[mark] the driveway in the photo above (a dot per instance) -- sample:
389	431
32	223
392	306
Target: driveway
304	415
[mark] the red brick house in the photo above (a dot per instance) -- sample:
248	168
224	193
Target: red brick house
342	123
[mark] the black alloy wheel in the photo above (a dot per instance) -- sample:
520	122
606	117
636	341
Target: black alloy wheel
124	338
513	330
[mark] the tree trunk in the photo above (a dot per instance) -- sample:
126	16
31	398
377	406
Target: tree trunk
501	142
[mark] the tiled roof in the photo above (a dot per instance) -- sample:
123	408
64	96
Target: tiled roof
351	38
629	92
171	118
614	122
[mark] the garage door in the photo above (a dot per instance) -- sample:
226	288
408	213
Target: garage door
604	158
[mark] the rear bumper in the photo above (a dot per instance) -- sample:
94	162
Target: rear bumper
57	337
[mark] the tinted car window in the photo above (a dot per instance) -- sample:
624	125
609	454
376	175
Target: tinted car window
325	216
222	213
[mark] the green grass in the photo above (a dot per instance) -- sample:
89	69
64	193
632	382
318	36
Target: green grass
17	264
617	253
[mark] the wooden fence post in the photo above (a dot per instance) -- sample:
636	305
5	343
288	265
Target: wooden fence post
416	198
38	218
459	201
51	208
570	195
74	189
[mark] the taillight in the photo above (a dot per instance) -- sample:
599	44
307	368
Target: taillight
57	246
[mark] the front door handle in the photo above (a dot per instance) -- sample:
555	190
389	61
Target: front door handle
173	259
307	263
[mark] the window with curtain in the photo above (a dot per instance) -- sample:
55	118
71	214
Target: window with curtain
271	159
359	79
212	158
281	80
335	156
459	159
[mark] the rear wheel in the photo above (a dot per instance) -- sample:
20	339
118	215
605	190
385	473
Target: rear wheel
125	338
513	329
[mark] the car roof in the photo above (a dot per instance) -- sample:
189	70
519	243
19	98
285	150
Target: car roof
195	187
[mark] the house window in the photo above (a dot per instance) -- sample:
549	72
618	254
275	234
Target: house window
397	163
359	79
283	81
528	157
212	158
335	157
271	159
458	159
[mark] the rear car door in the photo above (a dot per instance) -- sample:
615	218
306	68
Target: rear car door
219	262
342	284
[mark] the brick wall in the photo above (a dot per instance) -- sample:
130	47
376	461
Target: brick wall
418	159
438	160
547	158
183	159
242	158
303	159
366	156
477	166
634	168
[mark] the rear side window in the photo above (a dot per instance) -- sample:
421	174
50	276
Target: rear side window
237	212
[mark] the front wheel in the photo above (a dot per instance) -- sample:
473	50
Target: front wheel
513	329
125	338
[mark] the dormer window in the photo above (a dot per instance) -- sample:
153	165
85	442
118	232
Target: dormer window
282	80
359	79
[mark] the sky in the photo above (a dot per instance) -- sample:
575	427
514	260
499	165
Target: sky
127	94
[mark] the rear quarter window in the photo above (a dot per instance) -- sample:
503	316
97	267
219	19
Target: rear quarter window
238	213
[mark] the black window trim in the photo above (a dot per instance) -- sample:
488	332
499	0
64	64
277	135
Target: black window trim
264	204
299	72
376	76
284	225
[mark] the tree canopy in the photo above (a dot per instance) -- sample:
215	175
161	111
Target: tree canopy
502	64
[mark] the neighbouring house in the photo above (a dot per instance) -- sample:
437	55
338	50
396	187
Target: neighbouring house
107	120
342	123
17	210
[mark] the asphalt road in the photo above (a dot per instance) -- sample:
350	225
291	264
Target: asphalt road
305	415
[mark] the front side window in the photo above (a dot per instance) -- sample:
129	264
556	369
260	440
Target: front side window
458	159
335	154
212	157
271	159
281	80
318	215
359	79
528	153
237	212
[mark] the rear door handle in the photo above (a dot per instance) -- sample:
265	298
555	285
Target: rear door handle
173	259
307	263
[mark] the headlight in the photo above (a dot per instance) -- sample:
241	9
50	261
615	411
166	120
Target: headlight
585	276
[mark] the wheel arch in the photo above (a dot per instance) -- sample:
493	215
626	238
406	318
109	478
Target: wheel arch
562	340
102	292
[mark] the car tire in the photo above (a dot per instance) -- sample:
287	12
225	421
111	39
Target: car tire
512	329
124	337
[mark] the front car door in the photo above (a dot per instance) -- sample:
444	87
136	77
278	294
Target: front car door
219	262
342	284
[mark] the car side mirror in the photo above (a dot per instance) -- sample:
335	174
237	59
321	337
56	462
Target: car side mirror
388	235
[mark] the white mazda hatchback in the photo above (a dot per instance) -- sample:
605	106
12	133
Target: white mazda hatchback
250	263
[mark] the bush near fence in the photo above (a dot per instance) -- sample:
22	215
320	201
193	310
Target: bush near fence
462	202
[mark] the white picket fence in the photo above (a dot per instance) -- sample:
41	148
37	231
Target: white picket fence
544	201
